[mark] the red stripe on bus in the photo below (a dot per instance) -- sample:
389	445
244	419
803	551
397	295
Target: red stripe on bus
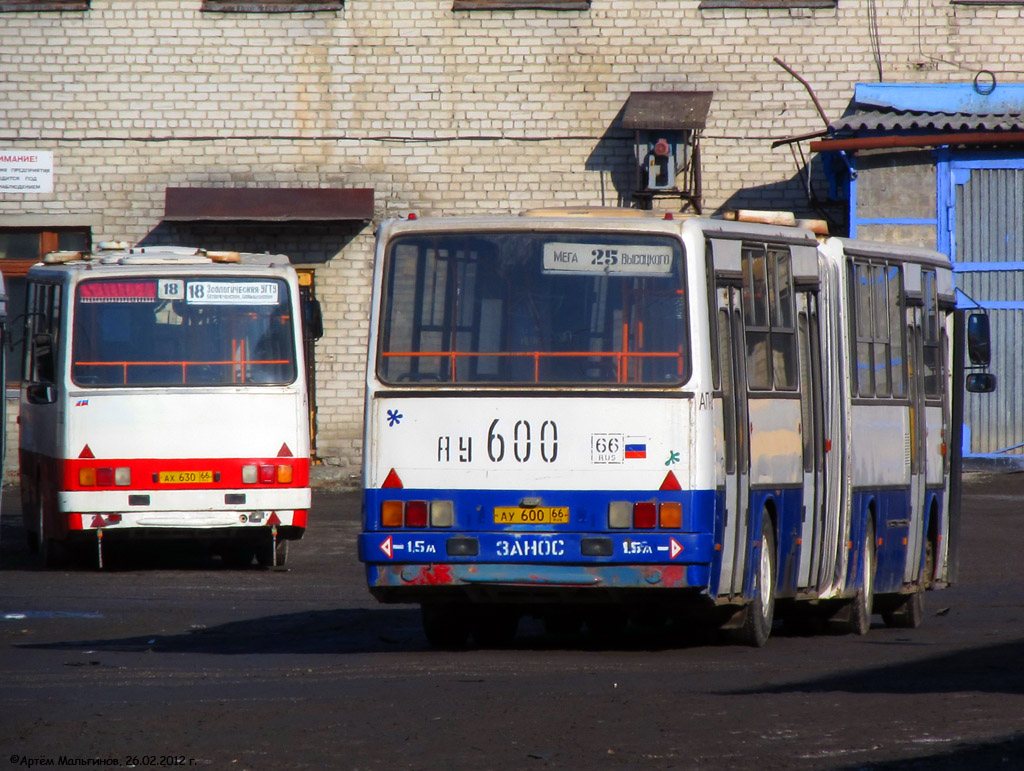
145	473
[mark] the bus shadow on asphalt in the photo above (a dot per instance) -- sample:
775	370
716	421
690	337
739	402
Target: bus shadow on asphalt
990	669
357	630
371	630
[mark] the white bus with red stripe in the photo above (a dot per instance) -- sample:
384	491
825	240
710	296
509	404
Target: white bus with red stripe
164	396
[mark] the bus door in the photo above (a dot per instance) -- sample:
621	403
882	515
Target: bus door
41	414
812	418
917	438
735	429
926	365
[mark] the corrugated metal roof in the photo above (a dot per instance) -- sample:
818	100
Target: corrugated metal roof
906	120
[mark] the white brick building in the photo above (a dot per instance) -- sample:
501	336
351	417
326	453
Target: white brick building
437	106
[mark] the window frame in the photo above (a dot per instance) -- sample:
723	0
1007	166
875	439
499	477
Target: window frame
521	5
768	5
271	6
15	272
884	352
60	6
769	317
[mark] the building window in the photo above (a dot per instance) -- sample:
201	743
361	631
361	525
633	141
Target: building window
11	6
272	6
520	5
20	249
767	4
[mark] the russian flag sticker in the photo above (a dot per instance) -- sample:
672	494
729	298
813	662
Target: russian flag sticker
636	450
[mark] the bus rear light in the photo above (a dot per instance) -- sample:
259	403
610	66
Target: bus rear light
671	514
392	513
249	475
442	513
620	514
87	477
416	514
284	475
267	474
104	477
122	476
645	514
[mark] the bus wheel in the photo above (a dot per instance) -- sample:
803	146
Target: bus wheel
861	606
51	553
909	610
268	556
30	521
445	625
760	613
494	626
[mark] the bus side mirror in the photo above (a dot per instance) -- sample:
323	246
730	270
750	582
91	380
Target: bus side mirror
312	319
40	393
981	382
979	347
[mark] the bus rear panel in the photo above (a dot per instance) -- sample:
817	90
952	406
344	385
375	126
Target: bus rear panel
165	398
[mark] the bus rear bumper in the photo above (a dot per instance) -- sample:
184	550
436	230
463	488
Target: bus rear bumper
529	582
290	524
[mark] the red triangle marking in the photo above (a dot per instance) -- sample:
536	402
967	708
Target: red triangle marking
386	547
670	483
284	452
86	453
273	519
393	480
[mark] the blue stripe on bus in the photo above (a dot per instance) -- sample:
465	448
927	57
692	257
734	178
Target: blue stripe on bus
516	547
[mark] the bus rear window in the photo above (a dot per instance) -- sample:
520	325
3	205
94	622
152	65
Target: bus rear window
545	308
182	331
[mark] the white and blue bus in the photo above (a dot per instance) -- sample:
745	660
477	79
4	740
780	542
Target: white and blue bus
589	417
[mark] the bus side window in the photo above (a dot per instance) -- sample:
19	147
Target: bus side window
41	334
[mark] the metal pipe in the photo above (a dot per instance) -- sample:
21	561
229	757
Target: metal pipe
919	140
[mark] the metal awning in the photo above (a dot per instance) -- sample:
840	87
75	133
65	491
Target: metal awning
267	204
667	110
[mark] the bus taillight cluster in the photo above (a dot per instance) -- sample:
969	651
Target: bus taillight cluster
267	474
91	476
417	513
645	515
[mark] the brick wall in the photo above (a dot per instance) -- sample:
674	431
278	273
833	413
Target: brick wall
439	112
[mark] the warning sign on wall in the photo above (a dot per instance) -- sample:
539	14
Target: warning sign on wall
26	171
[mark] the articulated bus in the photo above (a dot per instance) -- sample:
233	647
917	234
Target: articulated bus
164	396
593	419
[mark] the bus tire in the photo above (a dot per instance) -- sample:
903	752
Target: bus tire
861	606
30	515
759	614
51	553
909	610
445	625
